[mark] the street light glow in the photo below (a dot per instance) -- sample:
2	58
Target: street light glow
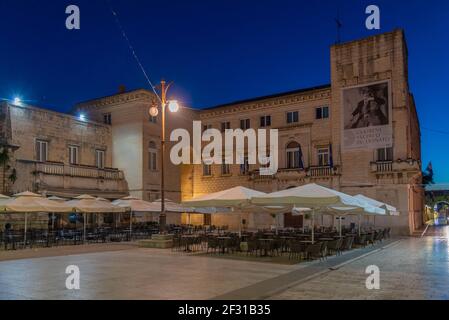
17	101
82	117
173	106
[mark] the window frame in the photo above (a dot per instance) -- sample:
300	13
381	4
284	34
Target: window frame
323	156
40	157
245	124
265	121
77	157
152	156
294	115
100	162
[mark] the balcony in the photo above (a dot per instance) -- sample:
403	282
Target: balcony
62	179
322	171
313	172
385	167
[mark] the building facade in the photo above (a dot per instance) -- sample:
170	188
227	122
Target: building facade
115	149
58	154
311	138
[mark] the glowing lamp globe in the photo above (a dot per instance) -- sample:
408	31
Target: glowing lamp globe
154	111
173	106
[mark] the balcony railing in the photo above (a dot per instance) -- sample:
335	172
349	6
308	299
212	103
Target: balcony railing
384	166
321	171
55	168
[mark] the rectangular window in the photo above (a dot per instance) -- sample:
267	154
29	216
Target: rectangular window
225	168
41	151
153	119
322	112
225	126
74	155
245	124
385	154
292	117
99	158
207	127
107	118
265	121
323	157
152	160
244	167
207	170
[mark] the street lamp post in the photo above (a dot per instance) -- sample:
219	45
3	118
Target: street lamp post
173	107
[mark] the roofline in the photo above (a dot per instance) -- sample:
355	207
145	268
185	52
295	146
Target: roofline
58	113
108	96
276	95
368	38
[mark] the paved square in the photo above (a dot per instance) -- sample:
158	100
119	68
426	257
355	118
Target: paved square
410	269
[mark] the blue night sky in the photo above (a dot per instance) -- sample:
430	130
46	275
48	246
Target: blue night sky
215	51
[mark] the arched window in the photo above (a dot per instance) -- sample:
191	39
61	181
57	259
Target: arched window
152	156
294	156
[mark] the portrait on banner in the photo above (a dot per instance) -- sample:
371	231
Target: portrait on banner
367	116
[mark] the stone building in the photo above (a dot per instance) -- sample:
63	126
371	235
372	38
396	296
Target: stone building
64	155
311	142
58	154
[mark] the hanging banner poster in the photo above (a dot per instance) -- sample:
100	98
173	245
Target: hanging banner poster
367	116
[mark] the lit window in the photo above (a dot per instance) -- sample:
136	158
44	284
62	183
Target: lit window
41	151
292	117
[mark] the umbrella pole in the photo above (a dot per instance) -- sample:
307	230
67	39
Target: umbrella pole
240	225
25	231
313	227
360	222
130	225
84	227
339	225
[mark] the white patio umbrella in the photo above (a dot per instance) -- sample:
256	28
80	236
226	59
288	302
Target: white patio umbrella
316	197
28	202
390	210
134	205
237	198
57	199
87	204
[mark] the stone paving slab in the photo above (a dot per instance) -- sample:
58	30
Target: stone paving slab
413	269
267	288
